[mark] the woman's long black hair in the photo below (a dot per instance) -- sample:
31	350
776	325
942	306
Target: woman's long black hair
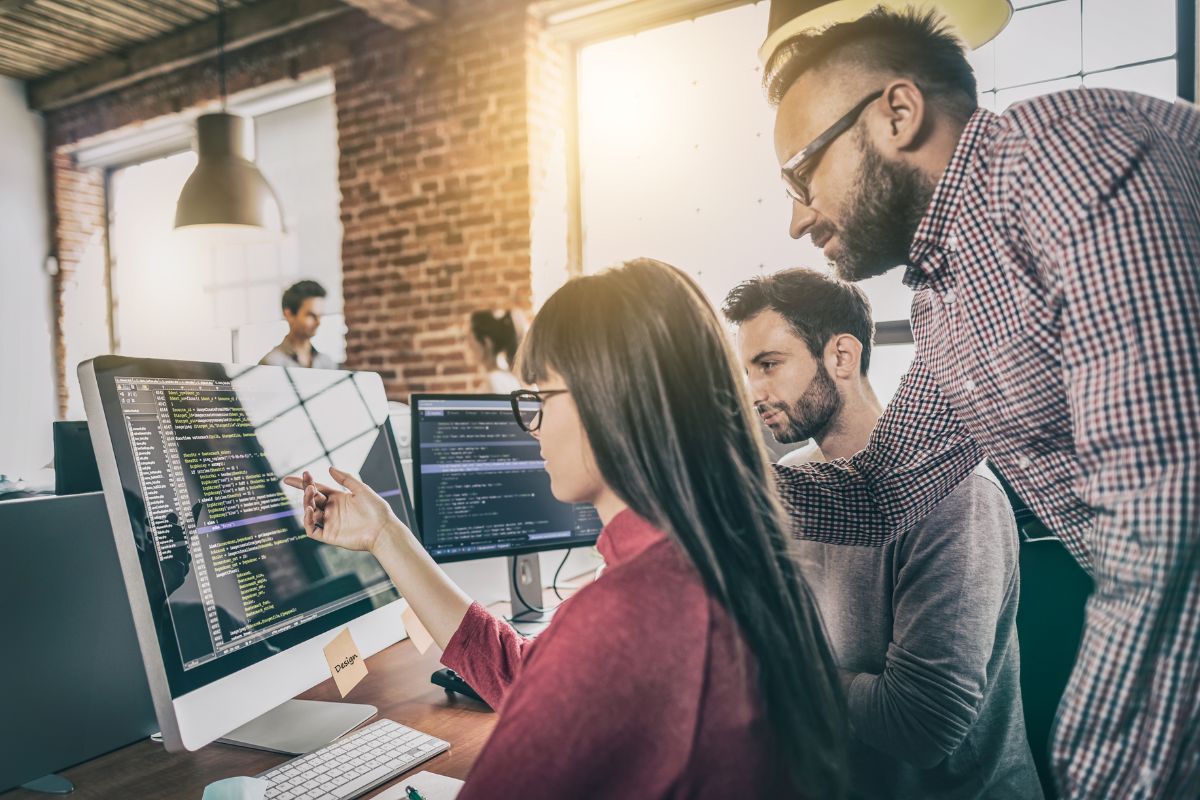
664	407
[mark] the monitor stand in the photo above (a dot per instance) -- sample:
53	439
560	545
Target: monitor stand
300	726
525	581
50	784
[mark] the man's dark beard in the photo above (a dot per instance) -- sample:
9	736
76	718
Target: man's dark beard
811	415
886	206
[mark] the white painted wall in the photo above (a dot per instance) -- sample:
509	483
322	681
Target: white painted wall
27	400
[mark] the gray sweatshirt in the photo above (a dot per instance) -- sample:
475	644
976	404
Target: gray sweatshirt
925	631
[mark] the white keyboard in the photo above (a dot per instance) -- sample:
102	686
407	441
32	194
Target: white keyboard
353	764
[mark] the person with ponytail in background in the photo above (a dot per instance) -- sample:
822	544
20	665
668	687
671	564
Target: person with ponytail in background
696	665
493	343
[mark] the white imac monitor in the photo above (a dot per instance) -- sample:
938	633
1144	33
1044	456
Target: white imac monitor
231	601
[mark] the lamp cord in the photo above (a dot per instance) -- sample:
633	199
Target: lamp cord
221	49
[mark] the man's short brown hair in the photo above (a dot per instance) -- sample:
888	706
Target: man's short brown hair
910	44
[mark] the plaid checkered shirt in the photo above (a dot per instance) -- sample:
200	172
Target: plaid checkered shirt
1057	329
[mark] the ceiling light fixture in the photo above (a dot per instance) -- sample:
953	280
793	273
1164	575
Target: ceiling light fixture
226	188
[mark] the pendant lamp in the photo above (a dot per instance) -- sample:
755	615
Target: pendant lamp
226	188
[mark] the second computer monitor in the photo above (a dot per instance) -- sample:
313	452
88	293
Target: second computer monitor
480	486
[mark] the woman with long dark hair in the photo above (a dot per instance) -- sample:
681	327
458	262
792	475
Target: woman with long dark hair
695	666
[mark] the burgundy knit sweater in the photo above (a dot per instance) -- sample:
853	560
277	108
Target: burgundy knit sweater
639	688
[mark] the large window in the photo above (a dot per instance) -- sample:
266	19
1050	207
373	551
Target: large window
675	137
1065	44
199	296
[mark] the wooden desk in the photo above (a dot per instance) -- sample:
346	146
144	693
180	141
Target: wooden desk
397	683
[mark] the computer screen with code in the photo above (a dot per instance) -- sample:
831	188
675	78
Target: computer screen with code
480	485
223	550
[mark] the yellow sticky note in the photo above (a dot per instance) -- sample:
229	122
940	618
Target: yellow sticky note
345	662
416	631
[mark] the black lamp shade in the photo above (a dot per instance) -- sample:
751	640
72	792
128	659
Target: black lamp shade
226	188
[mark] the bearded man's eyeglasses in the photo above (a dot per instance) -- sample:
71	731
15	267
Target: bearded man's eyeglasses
798	169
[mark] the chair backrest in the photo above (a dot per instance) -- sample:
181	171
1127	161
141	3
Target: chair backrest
1050	619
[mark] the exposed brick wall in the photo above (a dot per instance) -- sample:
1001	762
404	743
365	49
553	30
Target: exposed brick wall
435	191
434	172
79	234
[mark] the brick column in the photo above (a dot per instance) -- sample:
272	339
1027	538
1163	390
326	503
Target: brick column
81	328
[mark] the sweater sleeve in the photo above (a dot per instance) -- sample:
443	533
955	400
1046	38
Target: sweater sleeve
487	653
958	574
590	717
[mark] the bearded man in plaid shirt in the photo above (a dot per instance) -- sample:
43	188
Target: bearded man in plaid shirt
1055	255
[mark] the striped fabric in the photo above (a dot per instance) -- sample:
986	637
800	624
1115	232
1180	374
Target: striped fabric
1057	328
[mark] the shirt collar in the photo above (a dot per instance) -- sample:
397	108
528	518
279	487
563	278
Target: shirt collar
934	231
286	348
625	537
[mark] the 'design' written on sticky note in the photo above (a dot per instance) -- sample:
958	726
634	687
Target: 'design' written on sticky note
345	662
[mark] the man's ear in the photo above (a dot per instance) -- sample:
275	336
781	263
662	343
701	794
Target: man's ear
843	354
900	118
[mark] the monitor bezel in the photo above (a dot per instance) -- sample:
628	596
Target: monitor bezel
413	403
200	715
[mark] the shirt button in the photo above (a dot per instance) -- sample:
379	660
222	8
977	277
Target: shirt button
1023	462
952	242
969	385
948	297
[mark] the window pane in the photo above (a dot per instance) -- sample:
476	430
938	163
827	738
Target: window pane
889	297
1157	79
1007	97
888	365
183	294
1040	43
659	178
1117	32
229	307
983	61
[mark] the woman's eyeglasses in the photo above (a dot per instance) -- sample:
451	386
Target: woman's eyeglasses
527	407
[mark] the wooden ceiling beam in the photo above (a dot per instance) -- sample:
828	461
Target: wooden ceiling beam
244	26
584	21
166	13
12	6
37	21
38	54
63	40
102	16
400	14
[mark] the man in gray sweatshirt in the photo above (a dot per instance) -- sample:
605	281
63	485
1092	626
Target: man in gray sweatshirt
924	628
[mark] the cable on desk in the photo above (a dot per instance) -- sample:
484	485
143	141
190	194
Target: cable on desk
554	585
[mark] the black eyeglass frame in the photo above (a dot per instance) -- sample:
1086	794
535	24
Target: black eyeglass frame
794	180
530	396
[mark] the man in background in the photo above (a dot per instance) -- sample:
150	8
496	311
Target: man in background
924	627
303	305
